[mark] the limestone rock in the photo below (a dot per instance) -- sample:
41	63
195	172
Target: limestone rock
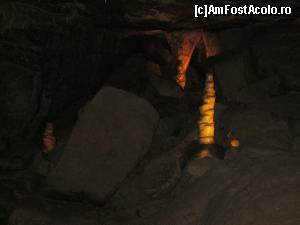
112	134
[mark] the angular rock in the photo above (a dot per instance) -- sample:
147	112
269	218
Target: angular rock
113	133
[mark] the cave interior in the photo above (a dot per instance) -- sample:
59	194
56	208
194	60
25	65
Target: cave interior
136	113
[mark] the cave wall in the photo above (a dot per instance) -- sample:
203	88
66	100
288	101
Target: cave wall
56	56
48	62
64	54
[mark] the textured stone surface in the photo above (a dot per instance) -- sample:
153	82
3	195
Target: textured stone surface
112	134
249	189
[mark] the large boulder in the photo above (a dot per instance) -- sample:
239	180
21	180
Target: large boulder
113	133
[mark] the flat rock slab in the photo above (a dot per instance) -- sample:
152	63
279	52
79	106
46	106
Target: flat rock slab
113	133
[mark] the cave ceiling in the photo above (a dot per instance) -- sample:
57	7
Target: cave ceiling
134	14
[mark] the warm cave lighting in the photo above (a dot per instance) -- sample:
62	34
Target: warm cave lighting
206	123
234	143
48	139
181	80
204	153
187	45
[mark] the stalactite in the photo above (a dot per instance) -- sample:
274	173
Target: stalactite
183	45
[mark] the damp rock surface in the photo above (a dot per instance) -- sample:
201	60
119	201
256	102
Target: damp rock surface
113	133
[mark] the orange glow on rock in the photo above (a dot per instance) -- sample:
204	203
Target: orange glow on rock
48	140
187	42
235	143
182	68
206	123
205	153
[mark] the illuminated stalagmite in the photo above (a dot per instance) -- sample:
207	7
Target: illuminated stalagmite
184	44
207	109
206	123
